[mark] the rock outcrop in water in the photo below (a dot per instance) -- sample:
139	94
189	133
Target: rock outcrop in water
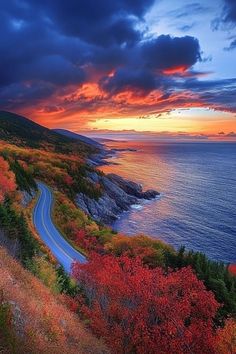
118	195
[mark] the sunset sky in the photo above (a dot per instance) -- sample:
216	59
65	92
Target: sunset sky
164	66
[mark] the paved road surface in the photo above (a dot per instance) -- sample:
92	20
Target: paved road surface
61	249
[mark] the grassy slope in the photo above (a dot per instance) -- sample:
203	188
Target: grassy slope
45	322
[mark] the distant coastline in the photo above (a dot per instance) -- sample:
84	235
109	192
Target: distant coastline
101	158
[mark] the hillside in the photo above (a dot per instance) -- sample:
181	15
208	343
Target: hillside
79	137
25	133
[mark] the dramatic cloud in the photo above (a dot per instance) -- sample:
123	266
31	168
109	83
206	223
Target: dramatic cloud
217	93
62	57
232	45
230	11
104	22
227	21
165	52
126	79
184	11
149	60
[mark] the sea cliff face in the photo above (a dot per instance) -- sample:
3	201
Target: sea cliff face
117	196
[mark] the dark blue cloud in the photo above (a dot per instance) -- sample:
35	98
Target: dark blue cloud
218	93
227	20
143	69
232	45
166	52
186	28
52	42
195	84
189	9
230	11
18	95
77	31
49	45
230	18
126	79
102	22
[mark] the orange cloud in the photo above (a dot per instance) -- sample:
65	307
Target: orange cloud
175	70
83	107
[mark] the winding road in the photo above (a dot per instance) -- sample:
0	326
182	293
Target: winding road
61	249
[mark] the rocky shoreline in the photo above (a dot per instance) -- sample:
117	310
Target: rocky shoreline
118	195
104	153
101	157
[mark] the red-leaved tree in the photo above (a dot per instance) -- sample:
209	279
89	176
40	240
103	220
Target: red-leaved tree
7	179
87	241
141	310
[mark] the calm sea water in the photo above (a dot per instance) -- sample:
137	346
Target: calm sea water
197	182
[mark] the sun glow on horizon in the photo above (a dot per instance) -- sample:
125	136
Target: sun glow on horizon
201	120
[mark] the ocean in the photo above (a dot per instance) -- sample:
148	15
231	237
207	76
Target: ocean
197	182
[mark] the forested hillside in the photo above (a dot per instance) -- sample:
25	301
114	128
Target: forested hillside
23	132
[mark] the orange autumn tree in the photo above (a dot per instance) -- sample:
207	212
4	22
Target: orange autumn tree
7	179
138	310
226	338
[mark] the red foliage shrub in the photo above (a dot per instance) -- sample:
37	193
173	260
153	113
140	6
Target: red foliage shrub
70	303
86	241
141	310
80	237
68	180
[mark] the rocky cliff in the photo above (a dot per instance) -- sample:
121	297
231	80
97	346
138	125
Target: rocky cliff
117	196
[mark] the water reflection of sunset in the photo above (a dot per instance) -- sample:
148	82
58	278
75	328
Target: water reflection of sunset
129	159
